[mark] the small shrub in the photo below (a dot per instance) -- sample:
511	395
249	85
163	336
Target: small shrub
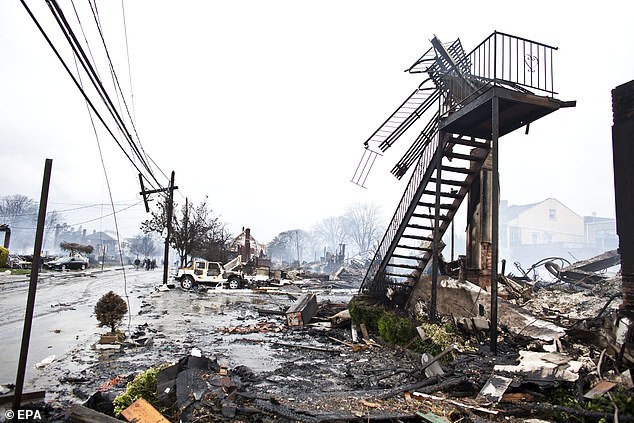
395	329
110	310
4	257
363	312
143	385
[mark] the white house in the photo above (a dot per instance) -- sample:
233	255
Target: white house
531	232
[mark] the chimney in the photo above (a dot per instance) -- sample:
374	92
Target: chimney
247	244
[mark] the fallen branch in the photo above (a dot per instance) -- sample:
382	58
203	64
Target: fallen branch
418	385
306	347
283	411
456	403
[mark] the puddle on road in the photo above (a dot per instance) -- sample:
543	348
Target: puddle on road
178	321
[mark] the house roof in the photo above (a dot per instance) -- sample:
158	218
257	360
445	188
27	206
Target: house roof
100	236
512	212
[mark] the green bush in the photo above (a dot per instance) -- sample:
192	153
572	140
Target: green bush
363	312
396	330
110	310
4	257
143	385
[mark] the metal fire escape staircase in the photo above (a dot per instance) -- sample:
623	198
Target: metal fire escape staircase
444	171
447	163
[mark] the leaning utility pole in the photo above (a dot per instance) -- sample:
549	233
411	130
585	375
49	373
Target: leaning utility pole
169	208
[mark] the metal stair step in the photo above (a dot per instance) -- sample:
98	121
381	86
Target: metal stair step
457	169
442	206
443	194
470	157
415	226
418	237
469	143
400	275
451	182
431	216
404	266
409	247
417	258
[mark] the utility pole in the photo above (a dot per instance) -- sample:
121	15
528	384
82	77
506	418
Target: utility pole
169	208
186	240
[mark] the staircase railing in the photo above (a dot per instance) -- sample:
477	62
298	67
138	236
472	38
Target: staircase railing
413	185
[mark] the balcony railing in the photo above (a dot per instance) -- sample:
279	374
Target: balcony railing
501	60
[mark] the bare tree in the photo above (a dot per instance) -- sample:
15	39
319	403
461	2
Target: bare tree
195	231
364	225
20	213
292	245
331	231
143	245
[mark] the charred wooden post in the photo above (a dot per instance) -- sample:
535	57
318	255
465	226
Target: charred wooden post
623	152
478	248
495	133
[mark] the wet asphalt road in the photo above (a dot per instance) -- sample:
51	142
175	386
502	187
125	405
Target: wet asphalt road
176	320
63	317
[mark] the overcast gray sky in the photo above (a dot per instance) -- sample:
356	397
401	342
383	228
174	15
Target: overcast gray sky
264	105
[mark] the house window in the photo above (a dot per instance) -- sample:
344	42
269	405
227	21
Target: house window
548	238
535	237
552	214
515	235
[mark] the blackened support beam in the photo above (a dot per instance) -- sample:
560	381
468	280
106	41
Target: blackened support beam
623	155
433	314
495	133
30	301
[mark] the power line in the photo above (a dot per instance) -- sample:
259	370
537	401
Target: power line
68	32
127	51
92	106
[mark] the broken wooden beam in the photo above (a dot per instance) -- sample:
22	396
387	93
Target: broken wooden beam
304	309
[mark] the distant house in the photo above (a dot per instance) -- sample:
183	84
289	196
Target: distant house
104	245
531	232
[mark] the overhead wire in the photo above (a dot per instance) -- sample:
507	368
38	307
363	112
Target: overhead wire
79	52
92	106
114	211
127	51
95	13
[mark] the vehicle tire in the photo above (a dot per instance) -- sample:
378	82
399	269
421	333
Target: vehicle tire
83	267
187	282
234	283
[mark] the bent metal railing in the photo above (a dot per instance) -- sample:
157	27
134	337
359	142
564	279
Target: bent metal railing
509	61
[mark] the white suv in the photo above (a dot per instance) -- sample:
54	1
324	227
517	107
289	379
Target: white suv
199	271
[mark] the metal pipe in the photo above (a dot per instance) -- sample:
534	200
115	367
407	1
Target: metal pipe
30	302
